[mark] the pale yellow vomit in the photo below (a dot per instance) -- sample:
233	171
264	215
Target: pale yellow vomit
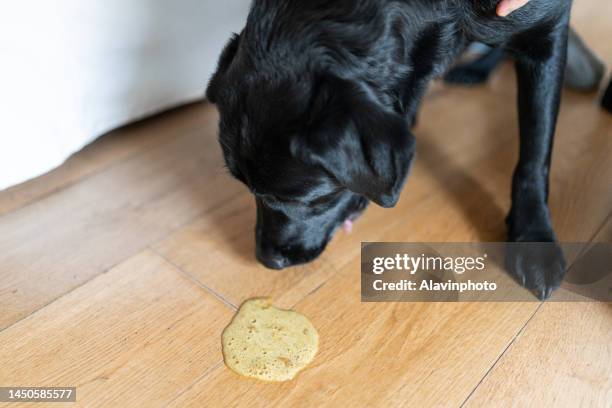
267	343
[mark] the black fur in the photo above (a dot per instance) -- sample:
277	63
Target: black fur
315	98
606	100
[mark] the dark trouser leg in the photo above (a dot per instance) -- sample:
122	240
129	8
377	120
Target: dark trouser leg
478	71
584	69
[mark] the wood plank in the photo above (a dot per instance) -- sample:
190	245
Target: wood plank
561	359
113	148
580	196
57	243
133	337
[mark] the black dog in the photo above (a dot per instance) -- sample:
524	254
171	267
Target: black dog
316	100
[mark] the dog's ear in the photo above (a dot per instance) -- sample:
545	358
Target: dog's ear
365	146
226	58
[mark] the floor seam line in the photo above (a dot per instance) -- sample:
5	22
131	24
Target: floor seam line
194	280
600	228
503	353
96	276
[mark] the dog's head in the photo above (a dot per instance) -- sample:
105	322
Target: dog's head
313	148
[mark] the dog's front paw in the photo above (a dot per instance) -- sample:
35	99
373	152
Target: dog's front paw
538	266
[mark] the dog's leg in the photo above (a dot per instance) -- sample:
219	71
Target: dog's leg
478	71
540	62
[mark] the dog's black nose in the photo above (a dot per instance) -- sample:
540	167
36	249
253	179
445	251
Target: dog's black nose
272	260
276	262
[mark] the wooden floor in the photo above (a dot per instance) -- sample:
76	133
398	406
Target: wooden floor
120	269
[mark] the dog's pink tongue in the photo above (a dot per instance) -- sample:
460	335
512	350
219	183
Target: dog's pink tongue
347	226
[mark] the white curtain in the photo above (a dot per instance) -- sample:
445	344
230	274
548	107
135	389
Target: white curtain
71	70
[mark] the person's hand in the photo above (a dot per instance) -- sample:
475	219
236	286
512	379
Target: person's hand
506	7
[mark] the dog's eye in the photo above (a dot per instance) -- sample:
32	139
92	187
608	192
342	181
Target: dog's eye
290	200
324	199
274	200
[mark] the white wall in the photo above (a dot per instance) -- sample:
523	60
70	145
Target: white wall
71	70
